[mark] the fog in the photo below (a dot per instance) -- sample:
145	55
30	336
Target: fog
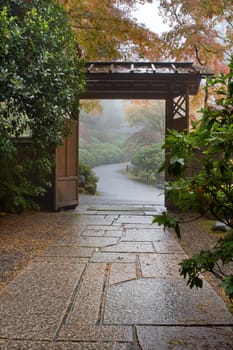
119	131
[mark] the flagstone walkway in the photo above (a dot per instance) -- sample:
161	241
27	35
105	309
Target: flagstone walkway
111	283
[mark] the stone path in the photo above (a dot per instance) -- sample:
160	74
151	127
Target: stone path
111	283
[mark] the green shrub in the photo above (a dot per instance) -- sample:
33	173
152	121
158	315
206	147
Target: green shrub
90	183
99	153
41	80
209	189
147	161
87	158
23	180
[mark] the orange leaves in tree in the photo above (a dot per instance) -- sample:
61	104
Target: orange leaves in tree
200	30
106	29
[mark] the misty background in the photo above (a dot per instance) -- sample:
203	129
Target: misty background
130	132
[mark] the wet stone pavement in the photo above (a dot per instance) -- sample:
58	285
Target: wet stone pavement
111	283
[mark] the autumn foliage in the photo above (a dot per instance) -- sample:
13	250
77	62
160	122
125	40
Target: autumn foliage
197	30
106	29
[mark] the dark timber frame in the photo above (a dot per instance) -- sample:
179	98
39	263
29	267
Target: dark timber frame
173	82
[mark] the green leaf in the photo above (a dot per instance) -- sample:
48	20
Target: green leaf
168	222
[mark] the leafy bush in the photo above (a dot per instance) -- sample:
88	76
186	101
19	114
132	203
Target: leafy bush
90	180
98	153
40	84
147	160
87	158
209	191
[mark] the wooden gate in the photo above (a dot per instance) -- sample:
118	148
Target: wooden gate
66	175
169	81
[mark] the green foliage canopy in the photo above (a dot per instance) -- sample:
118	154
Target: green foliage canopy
40	82
40	71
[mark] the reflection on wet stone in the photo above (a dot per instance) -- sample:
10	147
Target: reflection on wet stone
190	338
113	257
163	301
160	265
133	247
143	235
169	247
122	272
96	241
33	303
111	283
135	219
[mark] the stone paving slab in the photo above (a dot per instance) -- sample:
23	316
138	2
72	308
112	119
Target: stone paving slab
93	233
78	332
122	272
144	235
97	241
130	247
88	298
111	233
140	226
34	302
190	338
135	219
29	345
113	257
161	265
65	259
99	222
93	220
168	247
67	240
121	207
68	251
114	227
102	233
111	283
86	241
123	212
160	301
156	212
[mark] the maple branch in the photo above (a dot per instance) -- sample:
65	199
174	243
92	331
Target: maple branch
178	19
208	50
198	55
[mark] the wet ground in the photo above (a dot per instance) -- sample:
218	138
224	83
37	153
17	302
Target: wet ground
116	188
111	282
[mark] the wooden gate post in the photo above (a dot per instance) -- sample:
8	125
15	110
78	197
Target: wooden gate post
177	117
66	174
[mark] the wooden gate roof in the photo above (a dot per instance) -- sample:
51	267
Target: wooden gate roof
142	80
